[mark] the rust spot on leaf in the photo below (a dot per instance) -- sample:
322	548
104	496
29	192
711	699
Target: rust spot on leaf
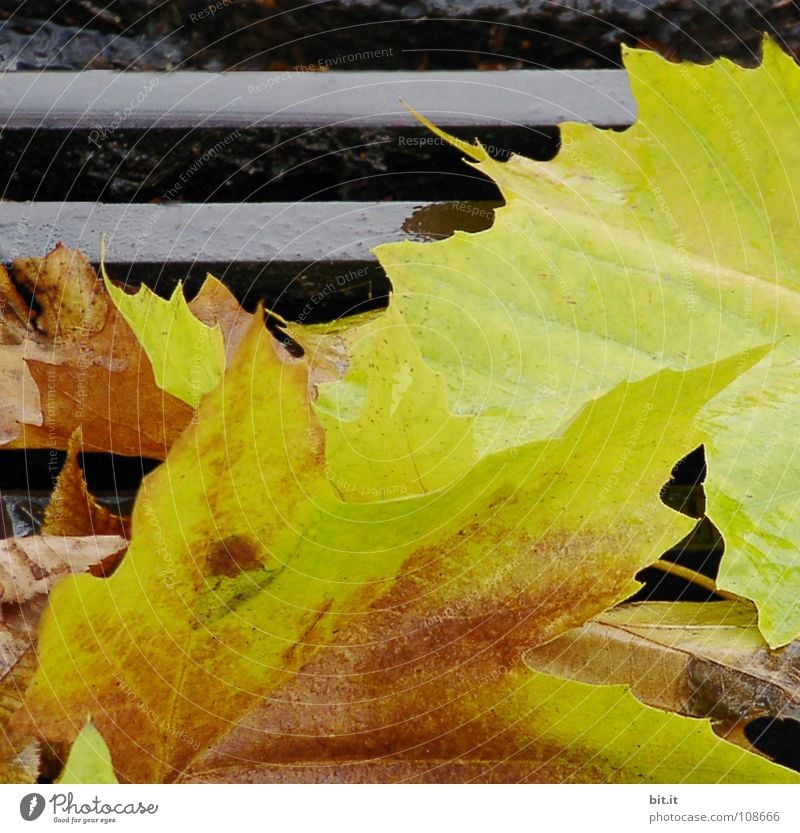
232	556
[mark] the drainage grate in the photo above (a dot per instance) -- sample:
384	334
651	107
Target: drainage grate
68	138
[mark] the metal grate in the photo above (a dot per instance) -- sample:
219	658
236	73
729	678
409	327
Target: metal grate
63	126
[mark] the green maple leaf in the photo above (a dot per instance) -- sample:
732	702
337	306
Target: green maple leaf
671	244
188	356
89	761
388	430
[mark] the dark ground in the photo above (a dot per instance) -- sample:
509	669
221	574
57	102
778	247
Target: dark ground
395	34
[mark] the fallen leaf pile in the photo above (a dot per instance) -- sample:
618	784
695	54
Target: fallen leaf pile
407	554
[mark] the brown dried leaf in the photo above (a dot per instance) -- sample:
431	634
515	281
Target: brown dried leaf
69	361
21	401
14	317
30	566
72	510
20	768
18	764
17	635
120	411
17	665
70	302
699	660
216	304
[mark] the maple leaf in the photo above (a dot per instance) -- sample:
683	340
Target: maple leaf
670	244
76	364
725	201
89	760
167	330
72	510
398	437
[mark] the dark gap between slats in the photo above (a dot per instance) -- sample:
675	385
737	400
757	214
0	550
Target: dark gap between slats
222	165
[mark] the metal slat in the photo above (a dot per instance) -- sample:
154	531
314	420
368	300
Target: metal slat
283	253
303	232
108	100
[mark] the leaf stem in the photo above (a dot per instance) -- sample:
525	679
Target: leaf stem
693	577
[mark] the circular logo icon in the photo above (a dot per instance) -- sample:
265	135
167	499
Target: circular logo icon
31	806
